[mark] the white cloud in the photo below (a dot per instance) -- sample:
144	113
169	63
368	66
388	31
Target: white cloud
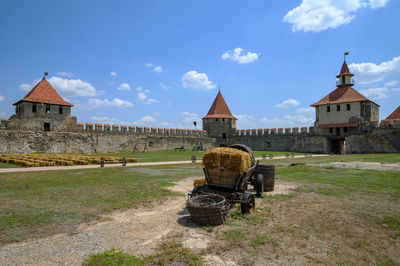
305	110
288	121
142	97
288	103
118	103
190	117
158	69
194	80
166	124
237	56
367	73
113	73
1	98
124	87
105	120
375	93
245	121
147	118
72	87
149	65
298	118
391	83
25	87
65	74
164	86
320	15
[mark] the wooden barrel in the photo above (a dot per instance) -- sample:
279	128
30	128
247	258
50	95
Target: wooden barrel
268	172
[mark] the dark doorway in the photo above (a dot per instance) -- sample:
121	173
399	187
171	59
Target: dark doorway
46	126
338	146
338	131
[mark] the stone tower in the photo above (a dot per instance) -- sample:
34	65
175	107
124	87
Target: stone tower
219	122
42	109
345	111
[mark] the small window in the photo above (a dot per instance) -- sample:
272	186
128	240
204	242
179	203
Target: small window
328	109
224	135
338	107
343	80
151	144
223	119
48	109
216	119
348	107
345	129
46	126
33	107
60	110
331	130
268	144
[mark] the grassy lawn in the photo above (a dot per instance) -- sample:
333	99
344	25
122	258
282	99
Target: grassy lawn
172	155
8	165
336	216
38	204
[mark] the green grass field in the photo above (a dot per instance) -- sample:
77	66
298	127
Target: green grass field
35	204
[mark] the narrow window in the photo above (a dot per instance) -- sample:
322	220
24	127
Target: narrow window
48	109
345	129
60	110
223	119
17	109
33	107
343	80
216	119
224	135
328	109
331	130
348	107
338	107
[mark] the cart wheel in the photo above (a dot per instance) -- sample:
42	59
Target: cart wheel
259	185
249	205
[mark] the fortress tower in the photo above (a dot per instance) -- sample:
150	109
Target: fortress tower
42	109
345	111
219	122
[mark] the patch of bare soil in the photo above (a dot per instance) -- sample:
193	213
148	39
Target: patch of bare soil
363	165
136	231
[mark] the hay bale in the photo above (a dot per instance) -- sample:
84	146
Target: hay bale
199	182
233	159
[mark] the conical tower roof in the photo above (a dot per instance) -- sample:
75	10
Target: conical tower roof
219	108
344	70
43	92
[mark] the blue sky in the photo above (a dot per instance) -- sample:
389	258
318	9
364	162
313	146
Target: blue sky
160	63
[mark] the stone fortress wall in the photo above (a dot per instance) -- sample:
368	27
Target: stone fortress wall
385	138
91	138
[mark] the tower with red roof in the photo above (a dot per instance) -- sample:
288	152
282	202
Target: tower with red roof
345	111
219	121
42	109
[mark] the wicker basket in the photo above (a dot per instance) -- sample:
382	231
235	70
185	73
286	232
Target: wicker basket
209	209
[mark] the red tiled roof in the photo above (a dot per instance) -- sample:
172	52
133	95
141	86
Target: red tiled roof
345	69
343	94
395	115
219	108
353	124
43	92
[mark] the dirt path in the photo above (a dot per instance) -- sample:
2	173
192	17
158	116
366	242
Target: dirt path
362	165
136	231
57	168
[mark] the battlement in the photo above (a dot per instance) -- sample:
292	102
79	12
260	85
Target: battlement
274	131
136	130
